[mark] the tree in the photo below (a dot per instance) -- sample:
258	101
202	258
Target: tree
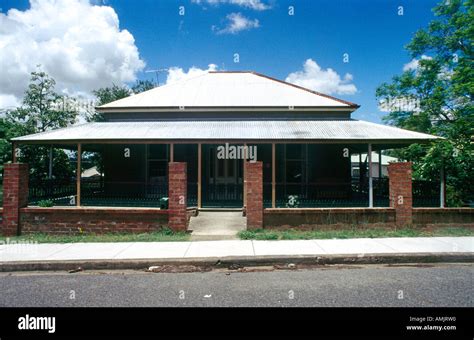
142	86
436	97
107	95
42	109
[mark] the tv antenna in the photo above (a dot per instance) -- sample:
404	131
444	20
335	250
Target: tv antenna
157	73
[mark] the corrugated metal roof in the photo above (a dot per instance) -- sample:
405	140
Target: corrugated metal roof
320	130
228	89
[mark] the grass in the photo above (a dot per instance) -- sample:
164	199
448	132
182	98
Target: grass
268	234
165	235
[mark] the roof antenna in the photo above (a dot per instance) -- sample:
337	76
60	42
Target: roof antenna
157	73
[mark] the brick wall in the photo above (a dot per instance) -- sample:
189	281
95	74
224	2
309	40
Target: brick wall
319	218
59	220
15	196
254	188
177	187
400	185
443	217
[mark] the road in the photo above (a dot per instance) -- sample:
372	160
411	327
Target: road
438	285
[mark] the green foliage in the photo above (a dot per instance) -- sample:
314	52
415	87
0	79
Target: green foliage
440	92
156	236
356	232
45	203
42	109
107	95
142	86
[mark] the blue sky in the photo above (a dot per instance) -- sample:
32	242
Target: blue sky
371	32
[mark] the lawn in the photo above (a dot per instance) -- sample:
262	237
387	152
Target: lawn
165	235
266	234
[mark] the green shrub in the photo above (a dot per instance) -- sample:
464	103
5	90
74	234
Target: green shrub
45	203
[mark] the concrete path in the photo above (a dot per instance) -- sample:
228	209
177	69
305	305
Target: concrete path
217	225
233	249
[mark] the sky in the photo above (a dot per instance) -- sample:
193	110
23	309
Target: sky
344	48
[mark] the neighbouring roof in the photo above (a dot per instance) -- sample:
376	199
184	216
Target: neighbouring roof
229	130
375	158
229	90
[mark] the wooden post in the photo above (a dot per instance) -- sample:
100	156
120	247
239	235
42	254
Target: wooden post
273	176
199	195
371	185
172	152
78	175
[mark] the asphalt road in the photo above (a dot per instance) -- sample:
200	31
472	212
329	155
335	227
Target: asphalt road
442	285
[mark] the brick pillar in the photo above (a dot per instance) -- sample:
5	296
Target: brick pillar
254	181
177	188
15	196
401	198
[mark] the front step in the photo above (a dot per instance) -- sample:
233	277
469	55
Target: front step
221	209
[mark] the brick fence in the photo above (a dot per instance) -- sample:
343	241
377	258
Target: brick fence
15	196
70	220
313	218
17	218
177	187
254	192
400	187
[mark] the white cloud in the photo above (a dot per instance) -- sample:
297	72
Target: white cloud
176	74
414	63
250	4
8	101
79	44
325	81
236	23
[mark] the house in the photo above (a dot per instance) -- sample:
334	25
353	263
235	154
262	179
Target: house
225	136
305	140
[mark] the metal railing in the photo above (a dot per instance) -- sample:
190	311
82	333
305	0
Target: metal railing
327	194
426	193
223	195
97	192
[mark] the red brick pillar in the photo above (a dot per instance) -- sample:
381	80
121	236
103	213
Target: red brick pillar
177	188
401	198
254	182
15	196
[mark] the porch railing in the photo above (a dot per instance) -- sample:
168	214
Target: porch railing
326	194
97	192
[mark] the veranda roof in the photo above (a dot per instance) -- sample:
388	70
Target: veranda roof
227	90
350	130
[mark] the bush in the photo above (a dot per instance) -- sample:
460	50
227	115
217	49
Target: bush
45	203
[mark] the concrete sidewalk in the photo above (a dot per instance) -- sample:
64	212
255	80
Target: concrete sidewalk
134	254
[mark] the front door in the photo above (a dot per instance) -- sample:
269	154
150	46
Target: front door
224	183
